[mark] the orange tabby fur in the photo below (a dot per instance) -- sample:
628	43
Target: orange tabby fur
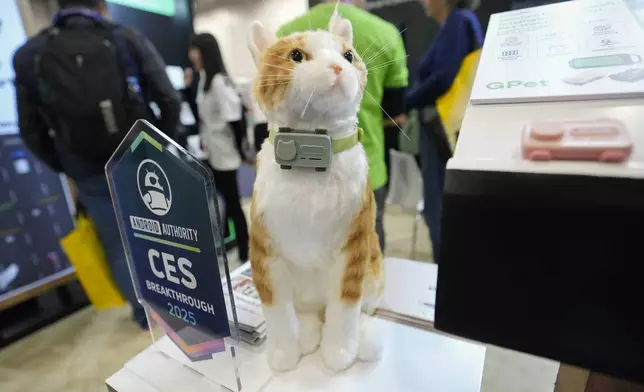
275	70
360	251
259	253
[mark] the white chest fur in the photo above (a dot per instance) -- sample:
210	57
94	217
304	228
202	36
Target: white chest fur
308	213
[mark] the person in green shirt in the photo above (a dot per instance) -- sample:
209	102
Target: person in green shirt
381	47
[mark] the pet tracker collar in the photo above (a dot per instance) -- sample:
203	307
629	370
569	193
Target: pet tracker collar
314	150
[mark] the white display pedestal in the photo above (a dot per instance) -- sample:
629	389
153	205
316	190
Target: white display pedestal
414	360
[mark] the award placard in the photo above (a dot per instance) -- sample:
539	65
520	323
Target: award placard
166	207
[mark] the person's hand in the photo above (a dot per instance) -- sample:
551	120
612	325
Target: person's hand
399	121
188	76
402	119
251	160
248	157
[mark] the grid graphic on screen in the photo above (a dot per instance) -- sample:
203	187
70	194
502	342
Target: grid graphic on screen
162	7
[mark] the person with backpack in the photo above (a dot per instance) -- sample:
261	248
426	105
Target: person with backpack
80	85
222	129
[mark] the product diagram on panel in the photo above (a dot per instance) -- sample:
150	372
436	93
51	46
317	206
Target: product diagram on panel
605	35
612	60
514	47
630	75
584	77
556	43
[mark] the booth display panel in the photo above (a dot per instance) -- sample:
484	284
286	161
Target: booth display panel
35	214
35	203
553	244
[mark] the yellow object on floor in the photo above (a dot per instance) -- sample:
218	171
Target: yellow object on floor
86	254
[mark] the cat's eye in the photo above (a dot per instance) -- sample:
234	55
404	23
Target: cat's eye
297	55
348	55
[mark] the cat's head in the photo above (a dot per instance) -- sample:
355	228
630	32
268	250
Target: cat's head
312	76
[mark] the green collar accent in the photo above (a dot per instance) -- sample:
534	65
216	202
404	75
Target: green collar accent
339	143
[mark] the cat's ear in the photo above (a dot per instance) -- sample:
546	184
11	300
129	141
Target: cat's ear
259	39
341	27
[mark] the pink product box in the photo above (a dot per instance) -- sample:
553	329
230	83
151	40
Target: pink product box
603	140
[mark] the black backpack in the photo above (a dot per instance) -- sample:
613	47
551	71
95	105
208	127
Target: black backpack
89	86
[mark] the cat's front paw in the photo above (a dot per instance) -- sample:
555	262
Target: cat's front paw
284	357
371	349
371	344
337	356
310	333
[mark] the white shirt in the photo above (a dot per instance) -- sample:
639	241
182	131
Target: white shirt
217	107
258	113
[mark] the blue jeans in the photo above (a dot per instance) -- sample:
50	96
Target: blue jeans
94	194
433	172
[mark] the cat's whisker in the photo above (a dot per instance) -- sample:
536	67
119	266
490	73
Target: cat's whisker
263	77
382	51
375	57
372	58
377	54
277	66
270	84
402	31
276	74
387	114
307	103
389	61
336	10
279	57
368	47
364	54
275	80
276	77
386	63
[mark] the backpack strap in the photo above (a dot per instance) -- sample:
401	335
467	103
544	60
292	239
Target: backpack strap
130	66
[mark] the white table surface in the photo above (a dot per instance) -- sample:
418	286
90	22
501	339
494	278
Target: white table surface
414	360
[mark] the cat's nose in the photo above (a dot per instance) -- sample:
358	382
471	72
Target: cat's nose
336	68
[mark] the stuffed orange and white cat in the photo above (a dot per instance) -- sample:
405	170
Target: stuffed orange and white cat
314	251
